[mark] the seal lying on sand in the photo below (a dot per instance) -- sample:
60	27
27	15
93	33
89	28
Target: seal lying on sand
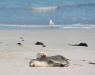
43	60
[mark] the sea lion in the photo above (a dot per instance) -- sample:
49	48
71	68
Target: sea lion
43	60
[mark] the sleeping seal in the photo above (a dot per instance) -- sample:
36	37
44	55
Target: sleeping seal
43	60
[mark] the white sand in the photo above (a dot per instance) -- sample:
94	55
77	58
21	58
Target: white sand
14	59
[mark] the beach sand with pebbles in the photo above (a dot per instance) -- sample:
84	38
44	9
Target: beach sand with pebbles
17	48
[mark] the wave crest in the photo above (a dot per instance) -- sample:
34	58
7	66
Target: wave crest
74	26
44	9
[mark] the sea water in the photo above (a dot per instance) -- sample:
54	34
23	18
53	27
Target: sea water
34	13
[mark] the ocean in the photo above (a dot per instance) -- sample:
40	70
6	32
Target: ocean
37	13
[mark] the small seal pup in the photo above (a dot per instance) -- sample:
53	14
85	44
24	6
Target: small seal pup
43	60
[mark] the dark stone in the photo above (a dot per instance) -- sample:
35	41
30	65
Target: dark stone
21	38
40	43
19	44
93	63
81	44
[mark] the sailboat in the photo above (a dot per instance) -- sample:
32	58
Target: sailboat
51	23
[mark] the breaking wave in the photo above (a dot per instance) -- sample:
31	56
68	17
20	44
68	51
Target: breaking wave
44	9
72	26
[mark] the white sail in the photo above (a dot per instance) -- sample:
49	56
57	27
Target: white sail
51	23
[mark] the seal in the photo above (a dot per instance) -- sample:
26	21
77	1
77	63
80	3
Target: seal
43	60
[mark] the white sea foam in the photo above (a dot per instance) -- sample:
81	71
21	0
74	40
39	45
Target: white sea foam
44	9
86	26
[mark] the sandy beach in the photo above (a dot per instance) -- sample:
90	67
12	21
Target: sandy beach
14	58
